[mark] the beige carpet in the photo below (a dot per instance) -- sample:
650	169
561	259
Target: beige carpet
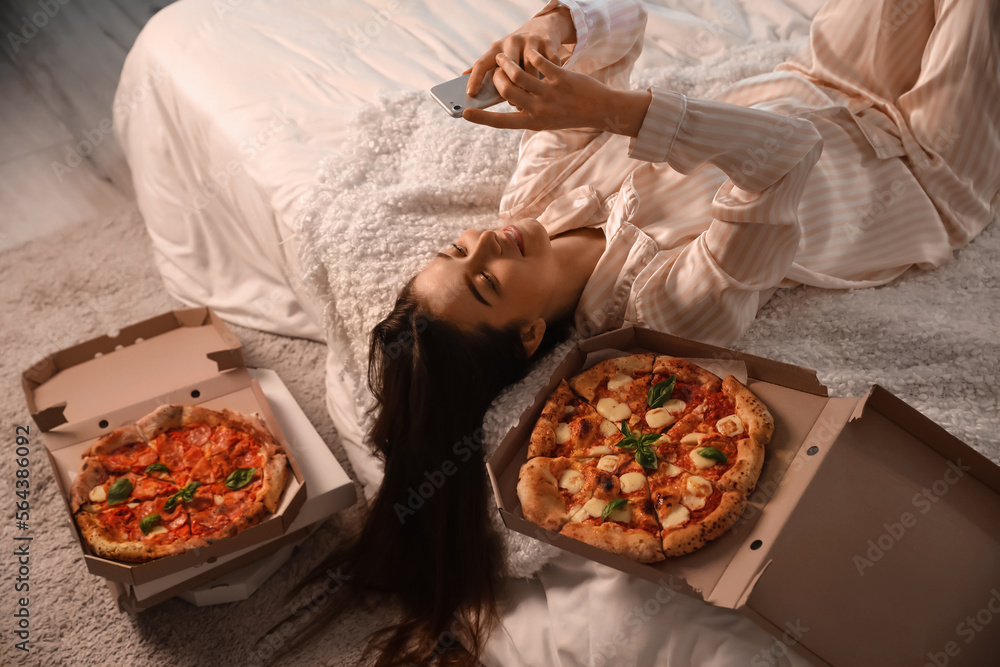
69	287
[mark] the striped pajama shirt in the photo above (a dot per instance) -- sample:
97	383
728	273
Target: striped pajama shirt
876	150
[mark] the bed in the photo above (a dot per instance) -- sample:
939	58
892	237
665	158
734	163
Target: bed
250	125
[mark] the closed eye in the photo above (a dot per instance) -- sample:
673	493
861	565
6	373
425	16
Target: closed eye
459	248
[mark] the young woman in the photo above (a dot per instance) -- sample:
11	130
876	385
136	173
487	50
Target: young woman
875	151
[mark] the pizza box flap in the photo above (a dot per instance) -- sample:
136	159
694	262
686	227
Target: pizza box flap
141	361
897	516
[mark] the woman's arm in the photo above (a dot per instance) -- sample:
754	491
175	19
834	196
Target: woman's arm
710	289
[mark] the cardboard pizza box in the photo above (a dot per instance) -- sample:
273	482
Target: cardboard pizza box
865	516
231	578
185	357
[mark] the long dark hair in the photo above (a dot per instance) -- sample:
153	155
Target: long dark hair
428	538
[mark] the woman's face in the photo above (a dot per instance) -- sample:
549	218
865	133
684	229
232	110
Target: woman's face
499	277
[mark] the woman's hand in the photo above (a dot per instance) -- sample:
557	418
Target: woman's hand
544	32
562	99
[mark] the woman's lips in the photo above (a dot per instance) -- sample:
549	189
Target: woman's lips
513	234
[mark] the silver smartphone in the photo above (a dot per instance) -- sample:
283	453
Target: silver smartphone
451	95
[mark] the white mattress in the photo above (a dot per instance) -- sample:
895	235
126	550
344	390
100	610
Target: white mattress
224	113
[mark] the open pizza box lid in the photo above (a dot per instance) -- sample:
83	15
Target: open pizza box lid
188	357
866	515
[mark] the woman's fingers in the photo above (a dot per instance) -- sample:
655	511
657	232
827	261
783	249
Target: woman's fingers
518	76
542	64
503	121
510	91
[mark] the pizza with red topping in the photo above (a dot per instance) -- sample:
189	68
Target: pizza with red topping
645	456
181	477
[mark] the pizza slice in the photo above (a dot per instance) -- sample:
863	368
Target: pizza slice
715	442
677	387
691	509
569	426
617	388
553	489
619	518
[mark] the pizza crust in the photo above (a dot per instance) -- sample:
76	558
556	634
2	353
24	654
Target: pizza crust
120	437
632	543
543	436
742	476
695	535
91	474
687	372
538	489
104	545
587	382
755	416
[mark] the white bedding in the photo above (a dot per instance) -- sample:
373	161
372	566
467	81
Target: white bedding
225	111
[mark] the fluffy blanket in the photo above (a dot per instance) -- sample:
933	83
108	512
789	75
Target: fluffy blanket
410	179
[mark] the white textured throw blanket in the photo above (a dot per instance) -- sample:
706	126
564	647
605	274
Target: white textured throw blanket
411	178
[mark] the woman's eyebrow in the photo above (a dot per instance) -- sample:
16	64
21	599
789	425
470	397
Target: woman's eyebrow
471	285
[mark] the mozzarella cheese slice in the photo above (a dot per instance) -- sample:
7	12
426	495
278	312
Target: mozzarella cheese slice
600	450
659	417
562	433
619	381
678	515
622	514
608	463
693	438
98	494
569	410
612	410
670	470
156	530
608	428
729	426
632	482
701	462
674	405
699	489
571	480
594	507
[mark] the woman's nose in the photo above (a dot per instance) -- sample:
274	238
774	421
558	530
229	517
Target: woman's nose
486	245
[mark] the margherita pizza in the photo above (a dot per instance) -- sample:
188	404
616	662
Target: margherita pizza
180	478
645	456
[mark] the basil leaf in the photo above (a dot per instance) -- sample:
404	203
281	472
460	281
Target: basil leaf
646	457
156	467
648	439
660	392
185	495
712	453
239	478
119	492
148	522
626	431
613	505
